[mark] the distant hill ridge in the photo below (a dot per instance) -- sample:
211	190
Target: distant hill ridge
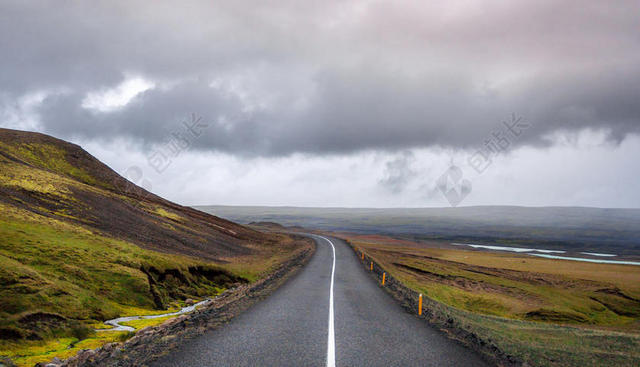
573	228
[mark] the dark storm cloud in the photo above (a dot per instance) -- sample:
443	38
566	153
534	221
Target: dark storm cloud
341	77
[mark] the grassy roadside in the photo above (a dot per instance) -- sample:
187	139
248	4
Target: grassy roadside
67	288
61	281
479	311
27	354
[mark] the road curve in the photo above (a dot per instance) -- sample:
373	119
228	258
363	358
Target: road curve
292	327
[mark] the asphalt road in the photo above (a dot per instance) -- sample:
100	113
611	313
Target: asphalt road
296	326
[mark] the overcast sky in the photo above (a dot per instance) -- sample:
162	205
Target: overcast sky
345	103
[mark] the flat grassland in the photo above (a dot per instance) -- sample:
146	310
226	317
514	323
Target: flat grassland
545	312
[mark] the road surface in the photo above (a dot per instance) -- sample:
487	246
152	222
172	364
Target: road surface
332	313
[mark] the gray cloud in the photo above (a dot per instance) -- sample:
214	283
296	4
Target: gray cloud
335	77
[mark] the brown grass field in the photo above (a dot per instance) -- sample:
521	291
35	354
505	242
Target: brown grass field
543	311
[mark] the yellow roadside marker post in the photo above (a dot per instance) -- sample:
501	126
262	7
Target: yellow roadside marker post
363	256
371	267
384	275
420	305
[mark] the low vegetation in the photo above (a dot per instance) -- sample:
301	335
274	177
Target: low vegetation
545	312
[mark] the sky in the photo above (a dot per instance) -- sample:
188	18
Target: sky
334	103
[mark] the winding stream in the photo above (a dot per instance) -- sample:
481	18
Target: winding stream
116	322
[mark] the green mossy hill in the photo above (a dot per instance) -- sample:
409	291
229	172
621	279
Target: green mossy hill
57	179
79	244
54	274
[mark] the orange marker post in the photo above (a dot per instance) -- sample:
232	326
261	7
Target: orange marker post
371	267
384	275
420	305
363	256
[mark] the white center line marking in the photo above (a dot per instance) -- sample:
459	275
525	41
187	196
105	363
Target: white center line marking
331	343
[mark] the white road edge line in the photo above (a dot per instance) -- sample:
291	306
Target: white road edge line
331	342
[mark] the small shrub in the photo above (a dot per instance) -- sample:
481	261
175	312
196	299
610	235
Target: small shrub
126	336
81	332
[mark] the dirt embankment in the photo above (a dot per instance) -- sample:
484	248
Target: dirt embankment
150	343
